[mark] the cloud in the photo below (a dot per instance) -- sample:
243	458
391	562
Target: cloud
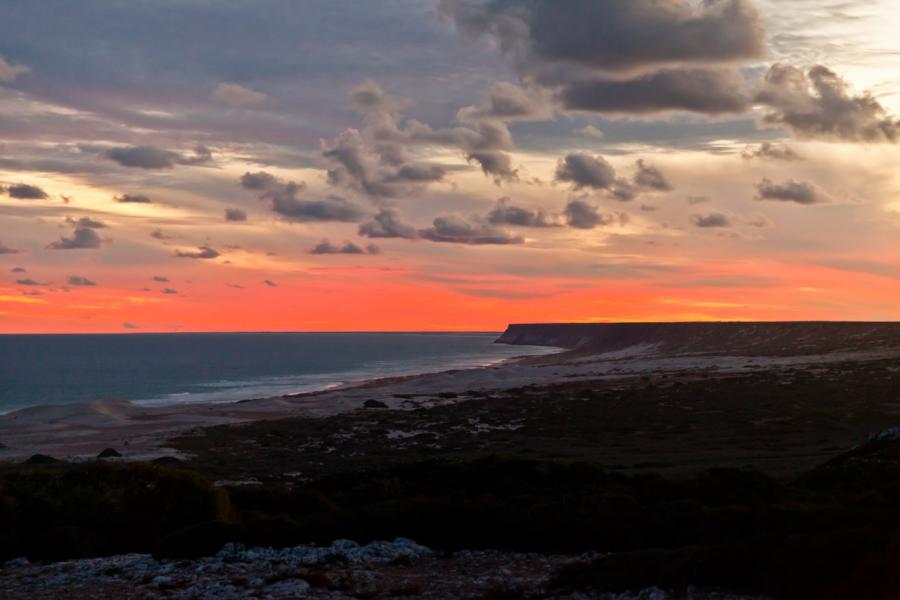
31	282
132	199
590	131
581	215
326	247
282	197
270	283
7	250
86	222
792	190
235	215
15	269
770	151
494	163
153	158
375	161
615	36
650	177
711	220
237	96
507	102
159	234
355	164
454	229
368	97
168	291
387	224
127	325
10	72
634	56
83	238
81	281
819	104
160	279
25	191
508	214
202	252
586	171
259	181
711	92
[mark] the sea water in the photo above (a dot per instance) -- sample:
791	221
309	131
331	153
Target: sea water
221	367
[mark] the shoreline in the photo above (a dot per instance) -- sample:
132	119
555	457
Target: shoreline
138	432
139	429
336	380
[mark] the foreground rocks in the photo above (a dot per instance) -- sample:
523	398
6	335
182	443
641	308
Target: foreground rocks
398	569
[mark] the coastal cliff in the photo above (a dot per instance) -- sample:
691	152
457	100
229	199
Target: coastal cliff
771	338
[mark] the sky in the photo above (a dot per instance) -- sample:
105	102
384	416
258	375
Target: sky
412	165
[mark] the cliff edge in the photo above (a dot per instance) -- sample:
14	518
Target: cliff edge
728	338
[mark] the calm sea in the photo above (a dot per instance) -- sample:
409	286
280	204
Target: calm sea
222	367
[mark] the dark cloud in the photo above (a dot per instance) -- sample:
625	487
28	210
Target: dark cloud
508	214
326	247
332	208
132	199
127	325
270	283
355	164
586	171
7	250
819	104
83	238
770	151
283	199
160	279
202	252
581	215
15	269
454	229
711	220
25	191
495	164
235	215
159	234
705	91
259	181
31	283
629	56
792	190
81	281
387	224
168	291
650	177
617	36
151	157
86	222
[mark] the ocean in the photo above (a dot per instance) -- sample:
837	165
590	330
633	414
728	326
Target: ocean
175	368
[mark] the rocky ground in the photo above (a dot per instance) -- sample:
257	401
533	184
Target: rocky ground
398	569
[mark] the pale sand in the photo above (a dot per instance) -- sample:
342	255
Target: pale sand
140	432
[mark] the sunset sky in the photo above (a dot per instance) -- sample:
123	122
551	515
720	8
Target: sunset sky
189	165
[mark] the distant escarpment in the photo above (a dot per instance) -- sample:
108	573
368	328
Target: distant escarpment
768	338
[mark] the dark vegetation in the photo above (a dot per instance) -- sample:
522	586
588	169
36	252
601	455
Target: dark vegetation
831	533
734	481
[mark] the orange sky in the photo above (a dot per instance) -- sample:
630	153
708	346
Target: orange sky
432	176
